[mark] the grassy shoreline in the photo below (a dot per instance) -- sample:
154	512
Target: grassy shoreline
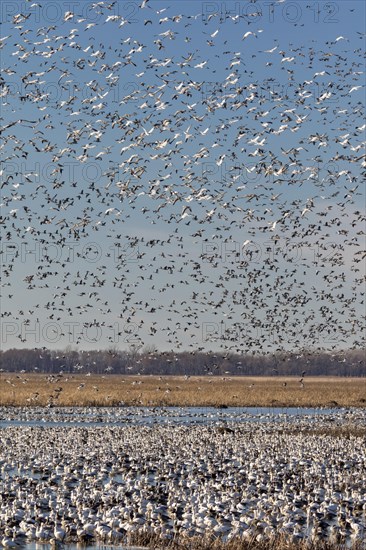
112	390
254	542
153	541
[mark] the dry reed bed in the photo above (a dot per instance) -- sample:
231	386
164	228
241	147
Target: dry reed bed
280	542
98	390
347	431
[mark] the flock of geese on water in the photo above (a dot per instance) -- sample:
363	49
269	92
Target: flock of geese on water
100	484
174	168
125	415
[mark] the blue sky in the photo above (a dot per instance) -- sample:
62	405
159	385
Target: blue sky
222	104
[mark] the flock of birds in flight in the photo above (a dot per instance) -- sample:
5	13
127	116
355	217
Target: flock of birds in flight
160	185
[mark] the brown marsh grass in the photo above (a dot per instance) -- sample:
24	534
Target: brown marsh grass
280	542
110	390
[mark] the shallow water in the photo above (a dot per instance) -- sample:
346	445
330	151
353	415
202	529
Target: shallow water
51	425
39	546
122	416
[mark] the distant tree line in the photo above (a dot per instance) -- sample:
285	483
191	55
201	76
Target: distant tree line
148	361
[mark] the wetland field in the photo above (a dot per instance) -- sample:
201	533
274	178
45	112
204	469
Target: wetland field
174	465
108	390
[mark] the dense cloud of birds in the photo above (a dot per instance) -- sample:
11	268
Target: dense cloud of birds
173	178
